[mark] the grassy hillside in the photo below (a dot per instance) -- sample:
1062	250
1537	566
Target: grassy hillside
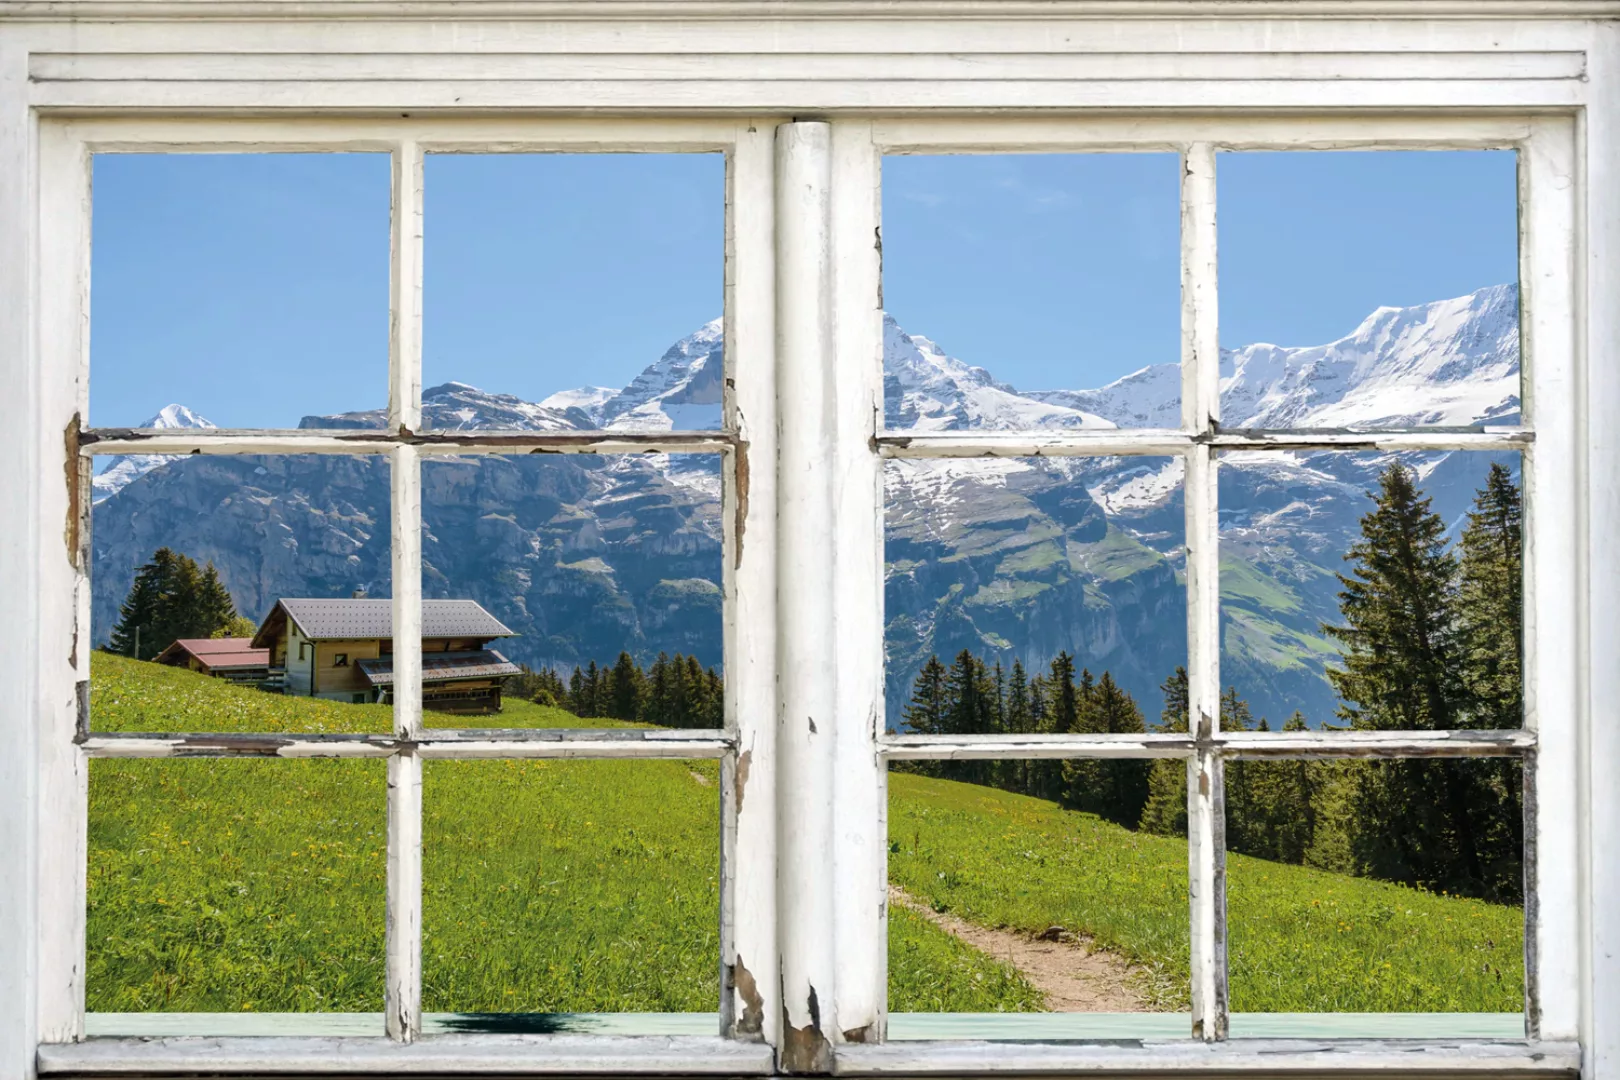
591	885
1300	940
548	885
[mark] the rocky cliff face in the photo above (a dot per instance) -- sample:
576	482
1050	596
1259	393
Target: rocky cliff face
1012	559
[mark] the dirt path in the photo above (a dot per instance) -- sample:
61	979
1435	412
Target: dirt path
1073	977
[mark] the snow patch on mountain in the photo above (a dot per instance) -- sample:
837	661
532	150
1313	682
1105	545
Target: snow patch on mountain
587	399
926	390
681	392
1139	488
1451	362
125	470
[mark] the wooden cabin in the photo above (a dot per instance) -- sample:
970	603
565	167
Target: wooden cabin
343	649
232	658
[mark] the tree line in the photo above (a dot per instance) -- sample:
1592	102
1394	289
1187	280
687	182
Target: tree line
172	598
1430	639
674	691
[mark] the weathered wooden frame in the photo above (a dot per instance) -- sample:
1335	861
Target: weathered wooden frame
68	147
1546	151
947	75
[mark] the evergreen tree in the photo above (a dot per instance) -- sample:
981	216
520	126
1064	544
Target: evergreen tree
1398	642
171	598
1490	604
926	712
625	692
1116	790
660	696
1165	812
1281	813
214	607
1436	824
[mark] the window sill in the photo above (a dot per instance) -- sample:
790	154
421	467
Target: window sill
436	1055
1407	1057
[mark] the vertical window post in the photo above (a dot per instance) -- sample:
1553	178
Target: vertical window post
402	1004
1200	411
807	646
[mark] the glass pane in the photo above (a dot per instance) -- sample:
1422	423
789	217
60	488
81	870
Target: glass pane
236	886
1376	887
598	580
1012	582
1369	289
1004	902
573	291
1371	591
1032	291
238	290
570	887
240	593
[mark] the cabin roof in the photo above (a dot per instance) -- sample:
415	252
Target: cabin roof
443	667
229	652
348	619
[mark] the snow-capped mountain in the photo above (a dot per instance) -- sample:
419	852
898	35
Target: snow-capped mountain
1451	362
587	399
926	390
681	392
126	470
455	406
1014	559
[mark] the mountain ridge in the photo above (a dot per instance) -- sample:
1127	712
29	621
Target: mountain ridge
1014	559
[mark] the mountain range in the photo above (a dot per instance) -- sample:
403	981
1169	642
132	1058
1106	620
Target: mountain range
1011	558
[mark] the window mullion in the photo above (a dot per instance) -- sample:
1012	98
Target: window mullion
1200	405
402	998
750	990
807	649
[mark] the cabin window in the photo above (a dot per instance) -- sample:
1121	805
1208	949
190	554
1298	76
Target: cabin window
1073	558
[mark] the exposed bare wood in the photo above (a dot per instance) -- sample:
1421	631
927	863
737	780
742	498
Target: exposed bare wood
860	776
103	441
402	925
692	746
173	745
1383	744
750	1006
1200	413
971	747
1164	442
807	627
1552	474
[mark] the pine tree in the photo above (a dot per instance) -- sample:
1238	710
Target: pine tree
133	635
1116	790
171	598
1165	812
1436	824
660	699
625	691
1490	604
214	607
1399	642
926	712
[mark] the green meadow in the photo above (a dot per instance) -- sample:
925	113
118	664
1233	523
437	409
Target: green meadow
586	886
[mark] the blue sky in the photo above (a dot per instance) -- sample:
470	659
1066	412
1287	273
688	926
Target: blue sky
254	288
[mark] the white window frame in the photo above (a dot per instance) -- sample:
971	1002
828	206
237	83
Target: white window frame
803	952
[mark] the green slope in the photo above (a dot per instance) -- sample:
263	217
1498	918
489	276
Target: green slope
549	886
586	886
1300	940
